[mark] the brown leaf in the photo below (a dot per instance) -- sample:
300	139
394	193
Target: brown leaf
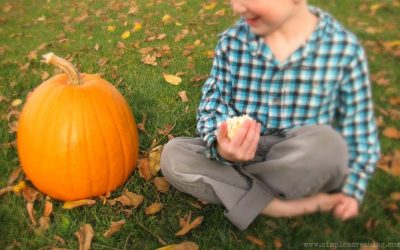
153	208
48	208
31	212
44	224
128	199
59	239
390	163
395	196
182	95
14	176
5	190
115	227
161	184
391	133
78	203
85	235
30	194
144	169
380	78
186	225
278	243
256	241
151	60
186	245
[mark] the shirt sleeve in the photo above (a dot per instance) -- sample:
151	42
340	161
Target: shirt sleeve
357	124
213	108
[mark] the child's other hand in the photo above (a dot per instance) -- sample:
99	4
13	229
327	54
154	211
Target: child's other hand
243	146
347	208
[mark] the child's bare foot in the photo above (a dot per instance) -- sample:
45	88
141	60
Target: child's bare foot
320	202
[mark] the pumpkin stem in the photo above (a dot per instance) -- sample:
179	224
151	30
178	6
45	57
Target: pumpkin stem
64	65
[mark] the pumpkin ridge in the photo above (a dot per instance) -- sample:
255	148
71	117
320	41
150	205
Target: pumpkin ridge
85	135
114	113
39	108
95	107
126	113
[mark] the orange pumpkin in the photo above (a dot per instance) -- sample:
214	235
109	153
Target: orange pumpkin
76	137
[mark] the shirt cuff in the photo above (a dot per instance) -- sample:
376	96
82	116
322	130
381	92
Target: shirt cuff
355	186
213	154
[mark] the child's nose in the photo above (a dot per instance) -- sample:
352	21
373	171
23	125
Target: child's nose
238	7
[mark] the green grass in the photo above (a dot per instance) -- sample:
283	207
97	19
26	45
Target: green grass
147	93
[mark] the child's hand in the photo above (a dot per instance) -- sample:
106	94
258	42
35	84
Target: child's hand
243	145
347	208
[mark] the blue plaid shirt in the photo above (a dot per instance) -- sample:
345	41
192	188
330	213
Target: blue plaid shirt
326	81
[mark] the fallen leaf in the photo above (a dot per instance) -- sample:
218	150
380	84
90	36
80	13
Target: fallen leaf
153	208
45	75
182	95
137	26
85	235
395	196
209	6
154	158
111	28
395	100
150	60
161	184
128	199
19	187
172	79
186	225
31	212
144	169
391	133
14	176
16	103
256	241
30	194
278	243
59	239
390	163
115	227
186	245
78	203
166	19
5	190
126	34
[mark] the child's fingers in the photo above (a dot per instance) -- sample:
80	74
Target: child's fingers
253	142
222	134
241	134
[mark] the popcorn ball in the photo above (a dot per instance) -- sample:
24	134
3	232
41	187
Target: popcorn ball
234	123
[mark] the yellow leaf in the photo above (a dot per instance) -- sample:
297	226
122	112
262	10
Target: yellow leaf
375	7
111	28
209	6
161	184
154	157
16	103
126	34
166	18
392	44
137	27
197	42
19	187
178	24
172	79
78	203
186	225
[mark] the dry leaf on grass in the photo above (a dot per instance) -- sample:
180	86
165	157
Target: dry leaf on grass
390	163
153	208
5	190
14	176
78	203
144	169
256	241
183	96
128	199
278	243
172	79
391	133
186	225
186	245
85	235
44	221
154	158
395	196
115	227
161	184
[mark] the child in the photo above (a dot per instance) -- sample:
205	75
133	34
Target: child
312	144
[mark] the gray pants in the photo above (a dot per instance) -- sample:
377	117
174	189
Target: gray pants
307	160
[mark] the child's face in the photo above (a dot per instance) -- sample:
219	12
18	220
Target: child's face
264	16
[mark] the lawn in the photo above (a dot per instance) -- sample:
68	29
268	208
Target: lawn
91	34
